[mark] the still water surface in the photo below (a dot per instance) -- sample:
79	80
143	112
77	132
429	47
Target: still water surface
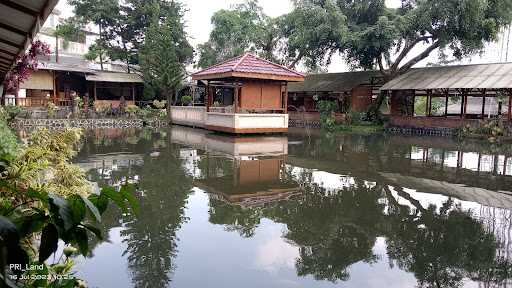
301	210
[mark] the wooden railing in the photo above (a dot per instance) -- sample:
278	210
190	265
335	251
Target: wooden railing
36	101
231	110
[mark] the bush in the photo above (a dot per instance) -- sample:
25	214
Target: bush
52	110
493	130
8	144
159	104
132	110
327	111
186	100
9	112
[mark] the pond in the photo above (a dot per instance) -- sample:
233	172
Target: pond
300	210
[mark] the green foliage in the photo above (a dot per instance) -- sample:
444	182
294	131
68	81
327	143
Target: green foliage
243	28
45	164
71	30
494	130
185	100
69	213
71	220
9	112
327	111
368	33
159	104
132	110
8	145
162	63
52	109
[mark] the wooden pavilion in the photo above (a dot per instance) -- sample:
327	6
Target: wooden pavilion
451	96
245	94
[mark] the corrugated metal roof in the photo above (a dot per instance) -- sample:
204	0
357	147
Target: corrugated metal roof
114	77
250	66
332	82
20	20
479	76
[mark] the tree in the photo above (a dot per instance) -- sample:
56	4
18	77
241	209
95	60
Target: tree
394	40
102	13
235	31
165	52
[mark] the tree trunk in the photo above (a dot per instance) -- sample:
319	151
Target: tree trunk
101	48
56	49
127	57
169	111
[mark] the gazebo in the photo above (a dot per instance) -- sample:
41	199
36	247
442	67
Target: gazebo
245	94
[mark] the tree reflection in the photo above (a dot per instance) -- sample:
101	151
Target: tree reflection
163	187
442	246
151	235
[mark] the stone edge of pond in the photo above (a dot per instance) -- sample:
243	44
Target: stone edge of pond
87	123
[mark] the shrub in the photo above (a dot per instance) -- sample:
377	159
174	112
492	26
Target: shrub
132	110
52	109
327	111
159	104
186	100
9	112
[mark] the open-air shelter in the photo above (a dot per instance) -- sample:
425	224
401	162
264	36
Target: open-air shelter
451	96
245	94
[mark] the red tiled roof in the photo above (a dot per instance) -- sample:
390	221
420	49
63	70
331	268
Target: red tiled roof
248	66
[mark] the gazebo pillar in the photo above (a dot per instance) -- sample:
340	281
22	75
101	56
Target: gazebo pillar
235	96
510	105
483	104
285	102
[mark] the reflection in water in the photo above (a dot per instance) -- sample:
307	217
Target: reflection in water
440	209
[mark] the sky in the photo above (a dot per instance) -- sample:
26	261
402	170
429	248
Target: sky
199	13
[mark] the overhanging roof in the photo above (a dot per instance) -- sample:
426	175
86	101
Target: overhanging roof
332	82
114	77
79	68
248	66
20	20
479	76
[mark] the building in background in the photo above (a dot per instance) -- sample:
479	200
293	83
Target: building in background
66	74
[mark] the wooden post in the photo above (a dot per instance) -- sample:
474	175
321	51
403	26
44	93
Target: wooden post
54	87
464	92
236	98
462	106
95	92
133	93
483	104
285	104
208	96
505	166
510	105
413	103
429	103
446	103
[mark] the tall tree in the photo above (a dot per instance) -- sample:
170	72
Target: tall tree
102	13
394	40
243	28
165	52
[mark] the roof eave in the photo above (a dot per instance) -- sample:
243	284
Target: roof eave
262	76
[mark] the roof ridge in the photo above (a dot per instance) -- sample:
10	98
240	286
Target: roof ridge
275	64
242	58
462	65
218	64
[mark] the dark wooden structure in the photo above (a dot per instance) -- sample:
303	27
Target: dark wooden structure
247	94
451	96
351	91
